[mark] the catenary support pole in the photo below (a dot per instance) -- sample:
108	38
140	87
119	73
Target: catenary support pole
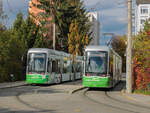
129	50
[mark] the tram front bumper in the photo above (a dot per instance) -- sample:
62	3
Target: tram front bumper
36	79
94	81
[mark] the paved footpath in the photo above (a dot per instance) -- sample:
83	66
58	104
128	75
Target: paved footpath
145	99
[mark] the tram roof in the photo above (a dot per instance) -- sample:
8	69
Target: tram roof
97	48
46	50
38	50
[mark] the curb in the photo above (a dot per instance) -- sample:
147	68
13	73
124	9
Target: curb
123	93
75	90
12	86
128	97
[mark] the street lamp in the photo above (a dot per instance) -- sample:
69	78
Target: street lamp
54	35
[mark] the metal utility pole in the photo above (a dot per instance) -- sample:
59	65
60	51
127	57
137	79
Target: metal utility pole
54	35
1	7
108	34
129	50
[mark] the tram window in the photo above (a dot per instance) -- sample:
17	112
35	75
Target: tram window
49	67
69	66
78	67
58	65
111	63
72	68
65	68
53	66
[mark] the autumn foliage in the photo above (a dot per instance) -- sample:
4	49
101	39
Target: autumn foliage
141	59
76	40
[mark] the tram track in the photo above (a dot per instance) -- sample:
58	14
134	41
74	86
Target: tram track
37	90
108	94
29	105
105	104
129	103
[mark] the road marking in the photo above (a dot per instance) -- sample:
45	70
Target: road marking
77	110
128	97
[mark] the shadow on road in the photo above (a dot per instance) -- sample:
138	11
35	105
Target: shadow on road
120	86
5	110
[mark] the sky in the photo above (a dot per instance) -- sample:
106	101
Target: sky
12	7
112	13
112	16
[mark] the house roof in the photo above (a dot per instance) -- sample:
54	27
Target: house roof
142	2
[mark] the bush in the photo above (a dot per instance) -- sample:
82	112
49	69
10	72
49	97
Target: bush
141	58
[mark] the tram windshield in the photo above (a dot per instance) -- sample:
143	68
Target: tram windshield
37	62
96	62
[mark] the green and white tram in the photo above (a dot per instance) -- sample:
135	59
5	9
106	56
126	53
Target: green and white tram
46	66
102	67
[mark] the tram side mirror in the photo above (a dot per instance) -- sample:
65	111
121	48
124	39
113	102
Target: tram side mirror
22	58
89	62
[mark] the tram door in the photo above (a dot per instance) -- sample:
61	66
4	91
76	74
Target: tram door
49	69
53	71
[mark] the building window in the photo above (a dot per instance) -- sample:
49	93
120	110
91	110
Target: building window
142	21
144	10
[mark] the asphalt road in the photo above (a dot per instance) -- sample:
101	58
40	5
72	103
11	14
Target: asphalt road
58	99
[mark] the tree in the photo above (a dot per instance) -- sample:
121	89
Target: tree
4	37
63	12
141	58
76	40
28	32
14	44
2	18
141	47
119	45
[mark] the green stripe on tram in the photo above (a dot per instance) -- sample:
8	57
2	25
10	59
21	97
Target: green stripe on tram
37	79
95	81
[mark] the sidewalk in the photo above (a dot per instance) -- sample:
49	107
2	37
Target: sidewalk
11	84
138	98
135	97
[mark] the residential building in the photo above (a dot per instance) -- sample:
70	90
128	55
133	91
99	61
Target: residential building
34	11
95	28
142	13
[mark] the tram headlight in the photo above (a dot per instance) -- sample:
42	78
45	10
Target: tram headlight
103	75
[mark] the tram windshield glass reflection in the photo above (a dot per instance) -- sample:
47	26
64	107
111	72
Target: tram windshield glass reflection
37	62
96	62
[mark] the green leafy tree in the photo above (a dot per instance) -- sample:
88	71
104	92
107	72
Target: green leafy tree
4	37
28	32
14	44
12	49
63	12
